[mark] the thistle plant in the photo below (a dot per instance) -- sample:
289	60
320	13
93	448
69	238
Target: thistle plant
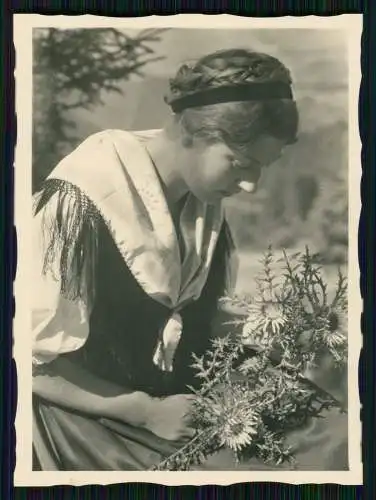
253	389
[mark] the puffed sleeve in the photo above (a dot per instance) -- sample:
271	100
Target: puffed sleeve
63	254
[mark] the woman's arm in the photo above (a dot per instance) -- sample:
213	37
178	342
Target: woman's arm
68	385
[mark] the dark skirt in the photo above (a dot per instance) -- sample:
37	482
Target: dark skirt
66	440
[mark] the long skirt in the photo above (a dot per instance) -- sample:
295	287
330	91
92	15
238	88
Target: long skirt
64	439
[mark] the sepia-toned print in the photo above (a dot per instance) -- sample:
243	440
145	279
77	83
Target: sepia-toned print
191	251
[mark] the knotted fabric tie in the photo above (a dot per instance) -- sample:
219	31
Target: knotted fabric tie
168	342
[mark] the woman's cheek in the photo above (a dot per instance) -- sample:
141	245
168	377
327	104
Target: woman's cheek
210	174
219	173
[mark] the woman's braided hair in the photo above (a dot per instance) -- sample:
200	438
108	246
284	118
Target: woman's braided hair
227	67
236	122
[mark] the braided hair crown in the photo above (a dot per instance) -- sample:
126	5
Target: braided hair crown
227	68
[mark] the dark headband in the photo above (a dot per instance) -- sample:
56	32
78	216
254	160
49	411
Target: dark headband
242	92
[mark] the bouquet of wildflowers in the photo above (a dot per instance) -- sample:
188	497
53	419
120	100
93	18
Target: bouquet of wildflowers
253	390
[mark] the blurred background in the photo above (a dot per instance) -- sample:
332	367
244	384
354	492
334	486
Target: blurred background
87	80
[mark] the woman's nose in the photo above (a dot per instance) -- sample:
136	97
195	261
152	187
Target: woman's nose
251	175
248	187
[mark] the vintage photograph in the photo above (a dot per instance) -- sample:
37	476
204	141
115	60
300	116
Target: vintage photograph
190	248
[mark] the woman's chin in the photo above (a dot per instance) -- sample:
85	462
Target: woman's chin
211	198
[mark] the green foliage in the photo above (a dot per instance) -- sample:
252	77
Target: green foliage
72	69
253	390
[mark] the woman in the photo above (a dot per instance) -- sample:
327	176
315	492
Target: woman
136	241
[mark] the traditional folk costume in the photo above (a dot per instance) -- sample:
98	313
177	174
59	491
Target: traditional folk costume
134	296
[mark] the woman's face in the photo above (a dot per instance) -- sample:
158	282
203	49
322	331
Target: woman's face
218	172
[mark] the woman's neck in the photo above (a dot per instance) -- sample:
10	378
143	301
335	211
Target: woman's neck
164	153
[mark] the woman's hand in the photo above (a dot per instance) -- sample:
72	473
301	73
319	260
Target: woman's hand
169	418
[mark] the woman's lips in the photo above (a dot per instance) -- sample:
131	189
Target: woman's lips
230	192
247	187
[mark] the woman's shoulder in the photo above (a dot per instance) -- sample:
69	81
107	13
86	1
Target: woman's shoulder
111	135
93	166
100	143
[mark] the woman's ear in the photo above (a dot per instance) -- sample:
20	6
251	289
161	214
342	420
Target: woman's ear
176	132
186	140
181	134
